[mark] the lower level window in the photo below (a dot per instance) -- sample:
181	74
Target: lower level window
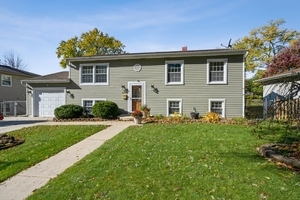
88	104
174	106
217	106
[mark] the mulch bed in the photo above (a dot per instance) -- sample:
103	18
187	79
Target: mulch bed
7	141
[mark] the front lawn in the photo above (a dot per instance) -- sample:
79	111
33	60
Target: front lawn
176	161
41	142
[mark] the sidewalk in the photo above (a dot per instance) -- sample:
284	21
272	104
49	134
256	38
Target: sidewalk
23	184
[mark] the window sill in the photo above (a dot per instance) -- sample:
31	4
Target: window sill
175	83
94	84
217	83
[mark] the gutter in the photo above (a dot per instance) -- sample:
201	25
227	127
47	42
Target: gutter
46	81
171	54
277	77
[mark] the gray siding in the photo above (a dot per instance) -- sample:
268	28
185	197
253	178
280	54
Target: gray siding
16	92
194	93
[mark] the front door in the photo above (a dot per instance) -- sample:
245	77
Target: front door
137	95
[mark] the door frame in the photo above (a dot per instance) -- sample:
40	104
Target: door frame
129	86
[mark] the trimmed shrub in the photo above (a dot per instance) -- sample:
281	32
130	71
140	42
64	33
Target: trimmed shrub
68	111
105	109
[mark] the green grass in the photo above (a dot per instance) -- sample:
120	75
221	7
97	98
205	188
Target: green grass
41	142
194	161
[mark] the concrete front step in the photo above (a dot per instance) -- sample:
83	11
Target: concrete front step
125	117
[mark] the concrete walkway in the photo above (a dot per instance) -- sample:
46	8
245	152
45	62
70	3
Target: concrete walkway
23	184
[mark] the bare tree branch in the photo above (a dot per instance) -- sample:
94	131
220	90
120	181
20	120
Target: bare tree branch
13	60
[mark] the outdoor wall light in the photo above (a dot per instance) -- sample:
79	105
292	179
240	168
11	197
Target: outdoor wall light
124	89
154	89
70	94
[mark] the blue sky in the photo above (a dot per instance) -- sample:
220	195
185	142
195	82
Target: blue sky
34	28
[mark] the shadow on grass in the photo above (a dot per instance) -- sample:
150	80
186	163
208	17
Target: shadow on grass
4	164
19	122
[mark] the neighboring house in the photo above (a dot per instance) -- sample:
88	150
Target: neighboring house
278	87
11	88
168	82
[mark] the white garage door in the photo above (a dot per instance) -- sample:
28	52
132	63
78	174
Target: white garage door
47	101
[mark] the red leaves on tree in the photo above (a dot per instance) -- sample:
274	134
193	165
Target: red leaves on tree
287	59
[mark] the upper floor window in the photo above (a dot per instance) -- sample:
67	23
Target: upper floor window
97	74
174	72
217	71
6	80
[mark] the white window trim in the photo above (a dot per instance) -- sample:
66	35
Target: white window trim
223	105
94	73
225	60
91	99
182	72
129	86
2	80
180	106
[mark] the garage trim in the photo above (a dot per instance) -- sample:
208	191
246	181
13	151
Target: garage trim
43	89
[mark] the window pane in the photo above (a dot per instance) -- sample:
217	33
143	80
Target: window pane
217	107
174	107
87	105
174	72
87	74
216	71
6	80
101	74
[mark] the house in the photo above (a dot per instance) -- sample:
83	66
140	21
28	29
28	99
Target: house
12	91
278	87
168	82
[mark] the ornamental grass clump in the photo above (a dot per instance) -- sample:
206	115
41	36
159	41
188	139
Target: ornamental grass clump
212	117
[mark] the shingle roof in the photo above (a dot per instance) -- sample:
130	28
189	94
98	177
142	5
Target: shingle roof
14	71
166	54
59	77
284	76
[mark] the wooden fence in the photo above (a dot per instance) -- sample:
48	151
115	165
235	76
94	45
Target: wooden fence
287	109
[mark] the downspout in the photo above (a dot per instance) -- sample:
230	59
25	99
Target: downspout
243	89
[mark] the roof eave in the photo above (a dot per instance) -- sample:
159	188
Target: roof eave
159	55
47	81
277	78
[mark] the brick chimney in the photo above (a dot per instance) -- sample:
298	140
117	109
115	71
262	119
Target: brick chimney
184	48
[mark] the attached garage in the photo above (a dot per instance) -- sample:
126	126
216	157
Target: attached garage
45	93
46	100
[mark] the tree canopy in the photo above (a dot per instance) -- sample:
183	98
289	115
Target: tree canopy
287	59
14	60
90	43
264	43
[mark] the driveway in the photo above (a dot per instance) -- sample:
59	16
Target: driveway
13	123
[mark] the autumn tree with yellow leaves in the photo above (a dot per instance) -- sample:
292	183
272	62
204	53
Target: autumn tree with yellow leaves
264	43
91	43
